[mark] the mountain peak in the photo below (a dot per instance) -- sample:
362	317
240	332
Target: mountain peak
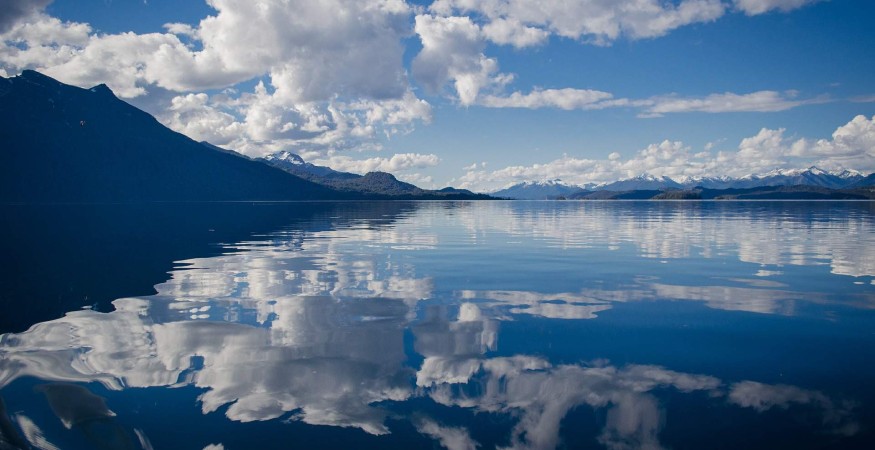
102	89
286	156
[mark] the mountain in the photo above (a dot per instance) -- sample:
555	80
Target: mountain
799	192
641	183
372	183
67	144
543	190
63	144
812	176
641	194
293	164
723	182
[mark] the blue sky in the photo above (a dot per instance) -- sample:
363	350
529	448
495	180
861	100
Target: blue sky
482	93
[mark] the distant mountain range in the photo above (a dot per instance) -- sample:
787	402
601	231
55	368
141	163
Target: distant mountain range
810	177
62	143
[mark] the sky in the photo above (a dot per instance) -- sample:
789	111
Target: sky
482	94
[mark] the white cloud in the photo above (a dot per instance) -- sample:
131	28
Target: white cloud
567	99
761	101
513	32
313	51
397	162
756	7
194	116
596	21
418	179
452	51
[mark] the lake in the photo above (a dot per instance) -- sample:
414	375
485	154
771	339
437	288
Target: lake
458	325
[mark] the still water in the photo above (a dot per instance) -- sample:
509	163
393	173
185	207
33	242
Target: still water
458	325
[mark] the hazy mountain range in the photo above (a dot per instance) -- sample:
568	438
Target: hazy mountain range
812	176
62	143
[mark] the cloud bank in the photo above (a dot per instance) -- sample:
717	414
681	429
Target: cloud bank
852	145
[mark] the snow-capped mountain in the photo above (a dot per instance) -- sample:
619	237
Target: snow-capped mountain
723	182
294	164
811	176
540	190
642	182
285	157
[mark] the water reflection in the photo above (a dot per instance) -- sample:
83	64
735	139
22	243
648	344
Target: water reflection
765	233
379	318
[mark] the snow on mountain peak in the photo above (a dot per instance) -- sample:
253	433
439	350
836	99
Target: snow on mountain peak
285	156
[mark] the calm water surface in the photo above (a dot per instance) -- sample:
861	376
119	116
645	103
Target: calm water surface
439	325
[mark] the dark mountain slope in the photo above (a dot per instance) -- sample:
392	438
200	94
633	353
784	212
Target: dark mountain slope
60	143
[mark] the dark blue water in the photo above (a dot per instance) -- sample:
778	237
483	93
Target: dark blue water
541	325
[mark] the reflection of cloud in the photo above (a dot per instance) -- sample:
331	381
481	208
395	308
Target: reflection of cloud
762	397
553	306
34	435
326	359
542	395
312	327
765	234
755	295
451	438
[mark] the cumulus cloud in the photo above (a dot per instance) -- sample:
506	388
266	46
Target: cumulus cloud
513	32
452	52
756	7
593	21
312	51
851	146
194	116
